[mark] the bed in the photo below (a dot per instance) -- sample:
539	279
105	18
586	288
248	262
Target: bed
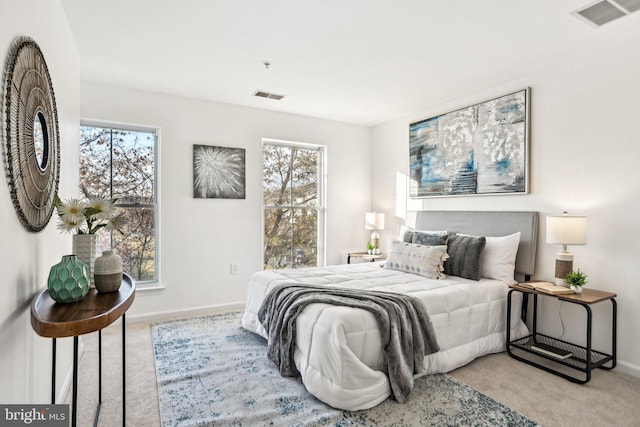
338	350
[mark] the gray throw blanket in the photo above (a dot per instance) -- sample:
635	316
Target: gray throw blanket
405	328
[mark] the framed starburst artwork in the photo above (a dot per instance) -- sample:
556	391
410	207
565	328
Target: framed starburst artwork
218	172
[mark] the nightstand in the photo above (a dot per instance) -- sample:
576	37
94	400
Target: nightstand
581	359
366	256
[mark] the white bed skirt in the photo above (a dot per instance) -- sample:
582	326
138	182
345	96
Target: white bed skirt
338	349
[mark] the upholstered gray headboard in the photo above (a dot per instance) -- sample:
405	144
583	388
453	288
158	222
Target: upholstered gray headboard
489	223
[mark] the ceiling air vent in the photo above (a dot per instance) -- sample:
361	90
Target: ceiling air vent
263	94
629	5
606	11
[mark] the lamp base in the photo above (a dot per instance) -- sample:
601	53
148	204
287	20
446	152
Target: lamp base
375	239
564	266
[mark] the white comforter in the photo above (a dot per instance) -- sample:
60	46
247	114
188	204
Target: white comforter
338	349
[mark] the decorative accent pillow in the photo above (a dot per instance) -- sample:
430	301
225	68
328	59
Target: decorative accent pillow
407	234
423	260
464	256
430	238
498	258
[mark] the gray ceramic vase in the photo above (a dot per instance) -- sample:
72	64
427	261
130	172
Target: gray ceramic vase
107	272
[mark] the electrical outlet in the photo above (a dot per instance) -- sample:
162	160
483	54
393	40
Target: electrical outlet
234	269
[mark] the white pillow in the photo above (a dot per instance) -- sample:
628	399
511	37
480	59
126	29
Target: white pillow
418	259
498	258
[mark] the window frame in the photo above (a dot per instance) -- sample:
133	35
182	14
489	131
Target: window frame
107	124
322	194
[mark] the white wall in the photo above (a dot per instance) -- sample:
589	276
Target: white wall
585	144
200	238
25	358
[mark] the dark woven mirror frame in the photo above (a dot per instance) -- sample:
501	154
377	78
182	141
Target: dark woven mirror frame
32	162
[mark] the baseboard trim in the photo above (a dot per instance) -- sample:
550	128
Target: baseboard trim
190	312
628	368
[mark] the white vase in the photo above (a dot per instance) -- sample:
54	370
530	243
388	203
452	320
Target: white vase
108	272
576	289
85	248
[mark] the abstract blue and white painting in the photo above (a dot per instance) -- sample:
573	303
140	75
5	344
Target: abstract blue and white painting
481	149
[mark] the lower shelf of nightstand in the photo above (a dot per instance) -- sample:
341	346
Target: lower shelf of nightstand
577	360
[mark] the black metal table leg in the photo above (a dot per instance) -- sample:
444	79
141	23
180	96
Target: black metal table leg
124	375
53	372
509	321
589	343
99	406
614	332
74	401
535	314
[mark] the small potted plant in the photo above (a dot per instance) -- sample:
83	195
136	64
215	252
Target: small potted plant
370	247
576	280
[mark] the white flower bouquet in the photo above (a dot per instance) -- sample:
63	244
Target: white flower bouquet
88	215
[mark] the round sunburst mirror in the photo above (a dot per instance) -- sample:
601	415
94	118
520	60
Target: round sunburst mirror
31	136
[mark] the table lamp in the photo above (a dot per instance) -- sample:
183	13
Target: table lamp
565	230
374	221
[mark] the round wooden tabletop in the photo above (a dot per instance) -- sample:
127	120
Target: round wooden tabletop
94	312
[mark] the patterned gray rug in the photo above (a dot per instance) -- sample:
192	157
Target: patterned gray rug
211	372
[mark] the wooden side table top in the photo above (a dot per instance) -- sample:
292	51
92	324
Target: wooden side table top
94	312
588	296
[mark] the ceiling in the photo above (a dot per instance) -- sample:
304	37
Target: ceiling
356	61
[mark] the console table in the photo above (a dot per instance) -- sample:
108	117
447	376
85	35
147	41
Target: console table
93	313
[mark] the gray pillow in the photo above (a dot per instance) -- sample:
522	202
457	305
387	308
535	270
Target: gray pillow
430	238
407	233
464	256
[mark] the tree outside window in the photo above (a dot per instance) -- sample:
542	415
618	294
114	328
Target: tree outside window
119	163
293	205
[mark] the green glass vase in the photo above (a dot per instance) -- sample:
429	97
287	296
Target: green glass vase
68	280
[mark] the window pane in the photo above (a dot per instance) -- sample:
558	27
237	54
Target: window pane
136	244
133	160
95	160
292	206
120	164
277	238
305	238
276	175
305	177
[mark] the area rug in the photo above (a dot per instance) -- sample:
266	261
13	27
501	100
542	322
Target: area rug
211	372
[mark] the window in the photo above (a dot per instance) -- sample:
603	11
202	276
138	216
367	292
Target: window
120	163
293	204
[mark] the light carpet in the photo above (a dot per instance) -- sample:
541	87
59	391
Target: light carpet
211	371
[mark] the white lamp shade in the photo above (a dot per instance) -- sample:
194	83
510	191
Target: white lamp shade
374	221
567	230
